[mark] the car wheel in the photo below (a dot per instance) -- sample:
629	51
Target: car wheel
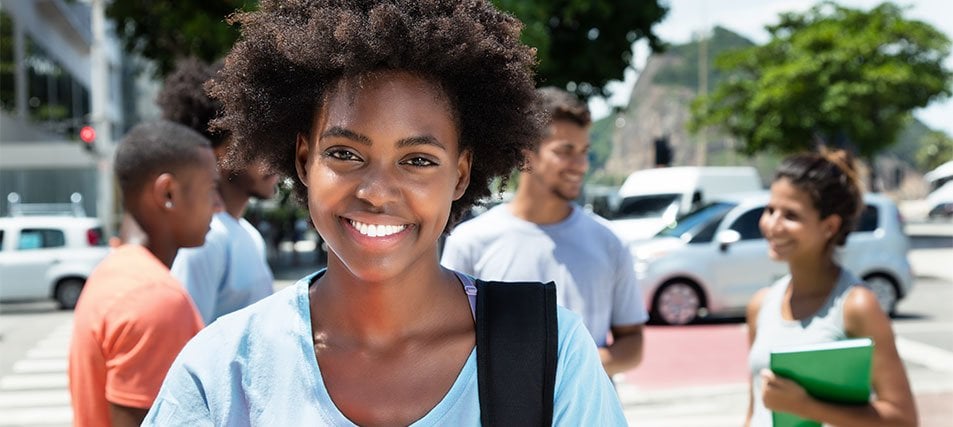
885	290
677	303
67	293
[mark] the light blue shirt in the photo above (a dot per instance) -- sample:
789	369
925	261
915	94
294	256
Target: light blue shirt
229	272
591	267
257	366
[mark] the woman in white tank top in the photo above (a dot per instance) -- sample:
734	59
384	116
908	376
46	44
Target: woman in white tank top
815	201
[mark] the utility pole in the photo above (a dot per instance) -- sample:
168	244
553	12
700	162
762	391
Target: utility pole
701	154
99	97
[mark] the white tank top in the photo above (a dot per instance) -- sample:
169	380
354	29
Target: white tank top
825	325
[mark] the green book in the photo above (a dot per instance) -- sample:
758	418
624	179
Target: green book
836	372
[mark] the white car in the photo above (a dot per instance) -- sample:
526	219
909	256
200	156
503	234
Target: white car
940	202
713	260
48	257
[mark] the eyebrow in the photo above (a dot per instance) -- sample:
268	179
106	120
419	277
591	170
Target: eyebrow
336	131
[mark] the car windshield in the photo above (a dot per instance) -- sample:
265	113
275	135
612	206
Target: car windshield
695	221
646	206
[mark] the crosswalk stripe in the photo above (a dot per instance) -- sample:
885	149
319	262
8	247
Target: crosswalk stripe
37	366
33	381
927	355
37	416
20	399
48	353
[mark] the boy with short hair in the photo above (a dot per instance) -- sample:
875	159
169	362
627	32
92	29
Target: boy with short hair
133	317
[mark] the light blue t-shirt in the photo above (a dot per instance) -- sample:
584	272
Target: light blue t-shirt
591	267
229	272
257	366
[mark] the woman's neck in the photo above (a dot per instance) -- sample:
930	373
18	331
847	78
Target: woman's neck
380	314
813	277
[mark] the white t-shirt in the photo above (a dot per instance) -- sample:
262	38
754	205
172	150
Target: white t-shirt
591	267
229	272
257	366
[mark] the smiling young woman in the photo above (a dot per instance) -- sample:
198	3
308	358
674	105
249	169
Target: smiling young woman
815	202
392	118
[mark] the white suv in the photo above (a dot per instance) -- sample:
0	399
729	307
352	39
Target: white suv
714	259
48	257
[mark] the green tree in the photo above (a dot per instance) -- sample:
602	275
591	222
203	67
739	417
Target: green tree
584	42
166	30
935	149
832	75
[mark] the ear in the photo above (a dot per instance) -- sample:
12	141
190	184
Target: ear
831	224
302	157
529	160
464	162
165	189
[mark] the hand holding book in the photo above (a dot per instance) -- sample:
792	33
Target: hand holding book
835	372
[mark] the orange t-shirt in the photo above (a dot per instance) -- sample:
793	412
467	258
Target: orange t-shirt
130	323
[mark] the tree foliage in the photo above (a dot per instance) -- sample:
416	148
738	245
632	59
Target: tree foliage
166	30
935	149
832	75
583	42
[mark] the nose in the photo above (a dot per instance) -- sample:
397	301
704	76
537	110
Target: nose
769	222
378	186
580	162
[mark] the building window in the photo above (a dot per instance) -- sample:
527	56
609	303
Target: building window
55	100
7	64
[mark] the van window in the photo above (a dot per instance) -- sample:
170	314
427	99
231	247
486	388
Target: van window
646	206
868	219
40	238
747	224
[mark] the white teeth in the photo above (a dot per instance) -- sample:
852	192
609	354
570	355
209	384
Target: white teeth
372	230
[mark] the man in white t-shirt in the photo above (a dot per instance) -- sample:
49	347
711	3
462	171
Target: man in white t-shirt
542	235
230	271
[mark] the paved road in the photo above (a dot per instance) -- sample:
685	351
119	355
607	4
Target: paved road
691	376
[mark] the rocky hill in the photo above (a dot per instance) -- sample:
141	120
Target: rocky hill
659	106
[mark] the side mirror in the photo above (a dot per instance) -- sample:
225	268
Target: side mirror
726	238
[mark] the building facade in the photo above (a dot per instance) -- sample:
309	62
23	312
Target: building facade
46	97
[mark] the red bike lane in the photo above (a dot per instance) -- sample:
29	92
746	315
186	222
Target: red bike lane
691	356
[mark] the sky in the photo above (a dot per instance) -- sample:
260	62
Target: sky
748	18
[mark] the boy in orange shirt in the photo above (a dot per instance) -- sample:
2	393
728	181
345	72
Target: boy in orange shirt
133	317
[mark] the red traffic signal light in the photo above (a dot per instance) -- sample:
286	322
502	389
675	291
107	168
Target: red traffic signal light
87	134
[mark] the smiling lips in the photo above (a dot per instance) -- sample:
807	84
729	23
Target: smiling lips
376	230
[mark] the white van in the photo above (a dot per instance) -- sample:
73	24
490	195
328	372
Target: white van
650	199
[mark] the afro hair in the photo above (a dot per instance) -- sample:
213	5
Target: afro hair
183	99
292	52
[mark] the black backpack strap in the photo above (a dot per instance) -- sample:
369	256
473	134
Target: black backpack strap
517	340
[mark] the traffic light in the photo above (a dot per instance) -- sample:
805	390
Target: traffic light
88	135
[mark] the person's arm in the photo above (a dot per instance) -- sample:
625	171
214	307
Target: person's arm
627	318
893	403
751	317
625	352
202	271
126	416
